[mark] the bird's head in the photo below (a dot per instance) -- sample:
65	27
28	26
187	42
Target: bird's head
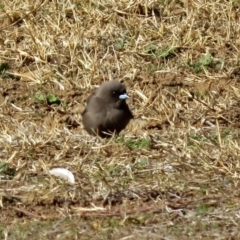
113	92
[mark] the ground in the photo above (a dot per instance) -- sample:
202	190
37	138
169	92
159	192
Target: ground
173	173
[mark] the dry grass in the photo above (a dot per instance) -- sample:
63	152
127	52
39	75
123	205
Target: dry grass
174	172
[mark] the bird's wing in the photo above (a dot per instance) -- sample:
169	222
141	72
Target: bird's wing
95	105
94	115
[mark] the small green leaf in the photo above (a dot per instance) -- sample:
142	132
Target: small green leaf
40	97
197	67
151	48
165	53
53	99
206	60
120	43
142	143
143	162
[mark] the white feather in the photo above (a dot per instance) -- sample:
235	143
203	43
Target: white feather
63	173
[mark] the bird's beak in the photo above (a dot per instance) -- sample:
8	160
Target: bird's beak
123	96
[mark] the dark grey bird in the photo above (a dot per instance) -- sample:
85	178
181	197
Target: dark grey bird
107	111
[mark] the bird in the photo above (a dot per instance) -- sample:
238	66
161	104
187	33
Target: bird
106	111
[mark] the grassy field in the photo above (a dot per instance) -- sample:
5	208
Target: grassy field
173	173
